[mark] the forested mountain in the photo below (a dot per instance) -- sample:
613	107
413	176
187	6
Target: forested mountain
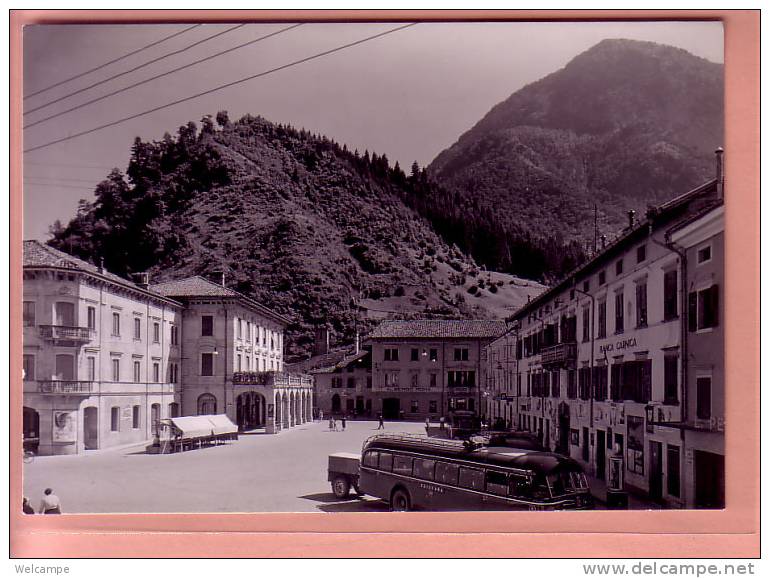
298	222
621	126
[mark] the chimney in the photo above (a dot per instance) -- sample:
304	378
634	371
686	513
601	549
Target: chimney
720	173
631	218
142	279
321	345
101	265
218	277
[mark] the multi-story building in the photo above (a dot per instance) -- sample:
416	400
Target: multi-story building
600	358
703	399
101	355
345	386
429	368
232	349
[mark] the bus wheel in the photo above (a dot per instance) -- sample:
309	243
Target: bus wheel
399	501
341	487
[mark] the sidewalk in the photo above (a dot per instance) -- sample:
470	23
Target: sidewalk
599	492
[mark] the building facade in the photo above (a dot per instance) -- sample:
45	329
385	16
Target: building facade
101	355
430	368
598	363
703	420
345	386
233	358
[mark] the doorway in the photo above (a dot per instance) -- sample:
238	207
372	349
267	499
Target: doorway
249	411
562	445
586	449
656	470
391	408
600	453
709	480
91	428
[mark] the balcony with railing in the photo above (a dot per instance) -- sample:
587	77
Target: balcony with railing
63	334
272	379
560	355
68	387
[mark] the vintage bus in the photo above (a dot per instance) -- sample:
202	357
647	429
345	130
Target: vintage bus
411	471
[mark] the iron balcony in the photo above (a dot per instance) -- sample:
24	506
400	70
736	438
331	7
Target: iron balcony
66	333
66	387
563	354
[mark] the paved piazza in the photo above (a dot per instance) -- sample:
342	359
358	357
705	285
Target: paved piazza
258	473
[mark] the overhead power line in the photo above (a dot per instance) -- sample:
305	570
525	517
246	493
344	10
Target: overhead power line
129	71
113	61
157	76
216	89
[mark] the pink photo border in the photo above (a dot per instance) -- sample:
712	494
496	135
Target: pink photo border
733	532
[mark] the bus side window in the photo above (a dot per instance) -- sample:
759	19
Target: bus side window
424	469
472	479
370	459
447	473
386	461
402	465
519	487
497	483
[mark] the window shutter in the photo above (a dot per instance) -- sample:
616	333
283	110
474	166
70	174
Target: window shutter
692	311
714	306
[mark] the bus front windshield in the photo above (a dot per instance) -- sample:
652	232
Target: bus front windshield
566	482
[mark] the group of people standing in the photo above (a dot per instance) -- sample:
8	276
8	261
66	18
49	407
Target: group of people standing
50	504
333	423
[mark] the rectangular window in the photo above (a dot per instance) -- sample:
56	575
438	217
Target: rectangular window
497	483
156	332
414	354
239	325
671	379
414	379
28	313
207	364
137	372
368	382
461	354
135	417
471	478
29	367
207	325
415	407
137	328
619	317
433	377
586	285
248	331
370	459
174	335
619	267
92	317
386	462
391	354
91	368
447	473
586	323
116	370
115	419
424	469
641	304
116	324
602	278
336	382
351	382
673	471
616	373
641	253
432	406
571	384
670	308
402	465
602	322
461	378
434	354
600	382
704	254
238	362
703	399
156	372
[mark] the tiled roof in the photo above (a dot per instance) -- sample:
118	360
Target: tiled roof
439	329
193	287
37	254
197	286
342	363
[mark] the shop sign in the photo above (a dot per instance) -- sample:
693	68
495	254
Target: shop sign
619	345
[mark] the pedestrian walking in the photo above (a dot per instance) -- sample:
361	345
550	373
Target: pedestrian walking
321	414
26	507
344	419
382	423
331	423
427	425
50	503
441	422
